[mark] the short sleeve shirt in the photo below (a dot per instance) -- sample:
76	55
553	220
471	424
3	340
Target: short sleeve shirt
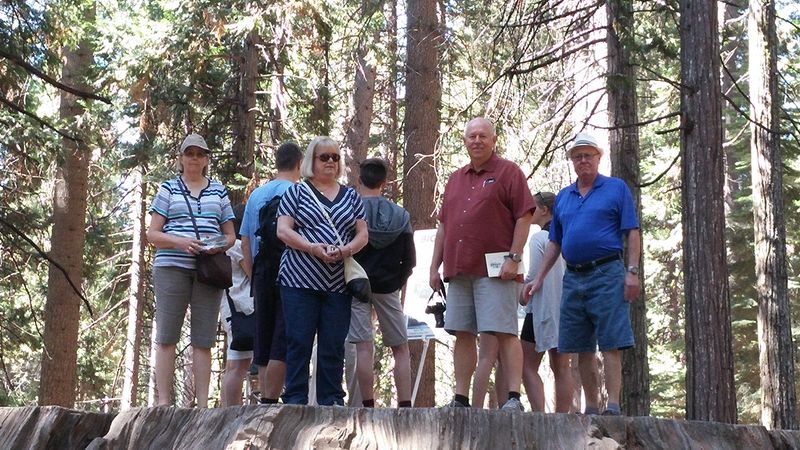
299	269
591	227
479	212
258	198
211	209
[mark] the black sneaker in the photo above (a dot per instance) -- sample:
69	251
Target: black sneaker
455	404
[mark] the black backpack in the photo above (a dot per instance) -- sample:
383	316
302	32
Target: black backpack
270	248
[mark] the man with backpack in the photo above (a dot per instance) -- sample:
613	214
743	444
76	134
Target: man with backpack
388	260
262	251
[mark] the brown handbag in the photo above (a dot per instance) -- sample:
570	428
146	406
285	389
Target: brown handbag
212	269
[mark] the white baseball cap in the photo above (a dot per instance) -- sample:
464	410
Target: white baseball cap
584	140
194	140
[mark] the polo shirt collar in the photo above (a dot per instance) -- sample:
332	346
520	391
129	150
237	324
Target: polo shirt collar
598	181
489	166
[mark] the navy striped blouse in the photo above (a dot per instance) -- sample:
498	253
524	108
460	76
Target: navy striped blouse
301	270
211	209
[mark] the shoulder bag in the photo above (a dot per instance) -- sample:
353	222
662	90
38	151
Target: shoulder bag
212	269
243	327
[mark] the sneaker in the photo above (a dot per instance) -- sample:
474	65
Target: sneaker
513	405
609	412
455	404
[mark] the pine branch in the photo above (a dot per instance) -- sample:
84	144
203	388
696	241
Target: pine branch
52	81
661	175
44	255
41	121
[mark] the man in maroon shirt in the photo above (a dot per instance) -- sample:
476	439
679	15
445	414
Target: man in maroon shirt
487	208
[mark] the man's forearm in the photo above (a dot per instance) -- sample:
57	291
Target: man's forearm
634	247
521	230
438	248
551	253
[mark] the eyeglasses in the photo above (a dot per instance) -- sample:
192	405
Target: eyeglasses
583	156
325	157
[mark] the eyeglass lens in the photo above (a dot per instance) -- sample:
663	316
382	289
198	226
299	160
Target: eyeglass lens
325	157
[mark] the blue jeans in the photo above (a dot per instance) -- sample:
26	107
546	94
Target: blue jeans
594	312
326	315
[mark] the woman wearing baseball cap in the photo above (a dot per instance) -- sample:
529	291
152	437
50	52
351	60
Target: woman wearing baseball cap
186	206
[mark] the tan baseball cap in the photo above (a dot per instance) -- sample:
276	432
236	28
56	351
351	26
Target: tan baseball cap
194	140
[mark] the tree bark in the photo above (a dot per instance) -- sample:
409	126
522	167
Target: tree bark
624	152
710	390
357	137
62	309
422	117
776	351
130	385
392	127
245	128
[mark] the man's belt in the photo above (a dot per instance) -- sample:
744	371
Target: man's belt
585	267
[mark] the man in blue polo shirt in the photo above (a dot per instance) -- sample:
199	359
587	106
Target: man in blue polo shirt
592	217
269	353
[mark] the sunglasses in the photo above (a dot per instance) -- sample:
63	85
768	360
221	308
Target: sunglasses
325	157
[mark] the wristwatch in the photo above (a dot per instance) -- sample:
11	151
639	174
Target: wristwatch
632	269
516	257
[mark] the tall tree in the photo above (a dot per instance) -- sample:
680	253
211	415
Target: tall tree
710	391
391	129
776	350
624	149
357	134
423	99
136	289
62	309
244	141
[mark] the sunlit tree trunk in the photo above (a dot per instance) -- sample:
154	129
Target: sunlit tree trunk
624	149
710	390
58	380
422	117
776	350
130	385
357	133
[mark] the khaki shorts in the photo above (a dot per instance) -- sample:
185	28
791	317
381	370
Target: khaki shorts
480	304
176	289
391	320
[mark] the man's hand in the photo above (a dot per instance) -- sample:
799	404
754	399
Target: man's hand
508	271
531	288
524	299
435	280
632	287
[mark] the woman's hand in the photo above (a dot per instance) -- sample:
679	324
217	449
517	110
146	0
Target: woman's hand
189	245
322	252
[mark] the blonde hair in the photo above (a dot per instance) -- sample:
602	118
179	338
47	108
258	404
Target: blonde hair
307	165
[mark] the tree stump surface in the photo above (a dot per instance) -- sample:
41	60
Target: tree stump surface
305	427
50	427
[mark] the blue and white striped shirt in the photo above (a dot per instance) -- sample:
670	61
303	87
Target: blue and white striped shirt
211	209
301	270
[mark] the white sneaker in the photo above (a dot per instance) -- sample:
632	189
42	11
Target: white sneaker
513	405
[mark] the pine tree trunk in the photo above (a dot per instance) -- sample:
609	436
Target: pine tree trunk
624	151
423	98
130	384
58	380
776	351
277	60
392	127
245	133
357	137
710	390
